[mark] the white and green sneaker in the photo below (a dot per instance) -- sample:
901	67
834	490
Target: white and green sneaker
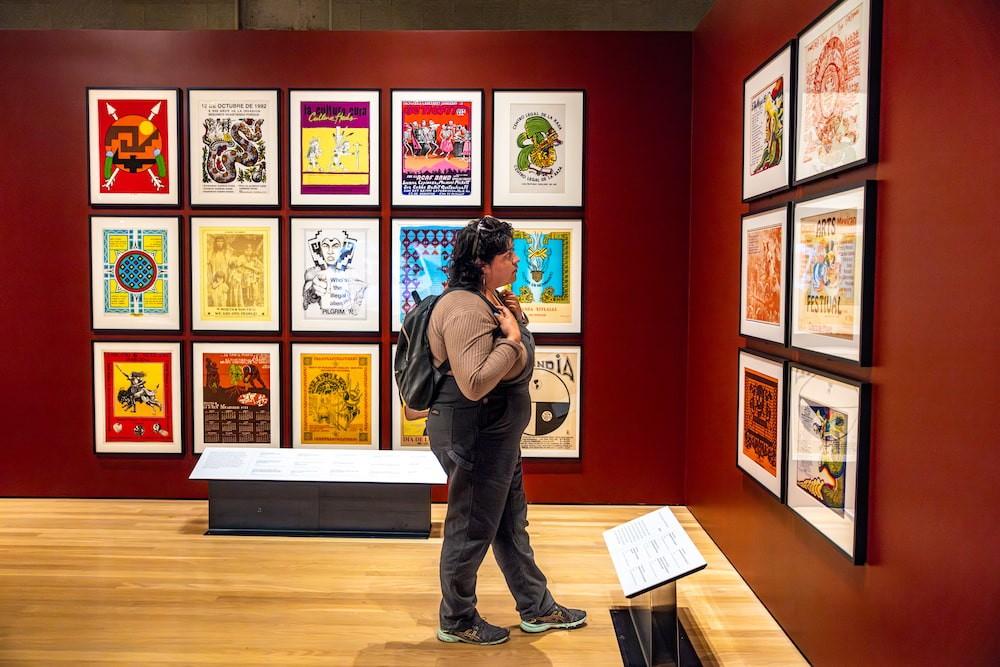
557	617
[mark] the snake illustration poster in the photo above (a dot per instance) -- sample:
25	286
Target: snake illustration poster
548	278
133	146
538	148
137	397
334	147
335	395
233	147
135	266
236	395
553	430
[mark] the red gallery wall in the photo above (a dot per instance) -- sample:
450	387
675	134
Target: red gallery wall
930	593
635	221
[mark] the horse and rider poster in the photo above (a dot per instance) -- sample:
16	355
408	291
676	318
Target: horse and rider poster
137	397
233	148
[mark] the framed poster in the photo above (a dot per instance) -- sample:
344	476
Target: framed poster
767	134
763	270
334	147
335	284
236	397
833	267
760	414
837	90
335	395
137	397
132	146
421	250
554	428
135	273
548	282
827	480
233	147
437	148
235	274
538	141
407	433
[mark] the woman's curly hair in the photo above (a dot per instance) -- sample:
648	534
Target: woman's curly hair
481	239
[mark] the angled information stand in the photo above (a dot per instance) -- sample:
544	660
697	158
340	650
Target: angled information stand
369	493
650	553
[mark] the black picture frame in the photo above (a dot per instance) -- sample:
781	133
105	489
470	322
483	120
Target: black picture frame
788	132
872	97
748	328
782	425
857	531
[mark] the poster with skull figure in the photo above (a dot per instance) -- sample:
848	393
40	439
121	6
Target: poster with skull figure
548	282
133	146
233	147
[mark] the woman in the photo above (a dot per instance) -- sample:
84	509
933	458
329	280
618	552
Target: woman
475	428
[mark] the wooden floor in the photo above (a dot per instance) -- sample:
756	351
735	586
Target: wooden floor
137	582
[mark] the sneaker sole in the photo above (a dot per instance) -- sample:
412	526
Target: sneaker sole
453	639
542	627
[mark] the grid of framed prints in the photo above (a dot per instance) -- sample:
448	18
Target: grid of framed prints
234	274
335	277
807	269
538	138
236	284
137	397
335	396
334	147
237	395
233	148
133	146
135	272
437	148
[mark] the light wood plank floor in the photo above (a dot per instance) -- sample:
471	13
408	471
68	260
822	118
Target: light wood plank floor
136	582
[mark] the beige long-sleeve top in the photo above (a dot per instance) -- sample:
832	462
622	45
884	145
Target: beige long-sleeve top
461	330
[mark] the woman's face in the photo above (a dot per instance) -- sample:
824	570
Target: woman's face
502	269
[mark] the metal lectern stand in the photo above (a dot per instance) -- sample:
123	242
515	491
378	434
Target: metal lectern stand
650	633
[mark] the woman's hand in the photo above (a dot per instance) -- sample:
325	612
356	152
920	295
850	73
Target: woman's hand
510	300
508	325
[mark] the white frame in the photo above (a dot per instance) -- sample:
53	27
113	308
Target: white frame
866	106
575	411
398	224
573	136
847	398
171	320
575	228
300	95
774	179
270	197
175	444
197	391
335	348
775	217
397	417
472	200
371	255
94	143
774	368
852	350
273	283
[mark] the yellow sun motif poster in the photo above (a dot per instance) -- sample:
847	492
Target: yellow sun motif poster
336	392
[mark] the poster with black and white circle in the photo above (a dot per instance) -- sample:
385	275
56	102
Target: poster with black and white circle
553	429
